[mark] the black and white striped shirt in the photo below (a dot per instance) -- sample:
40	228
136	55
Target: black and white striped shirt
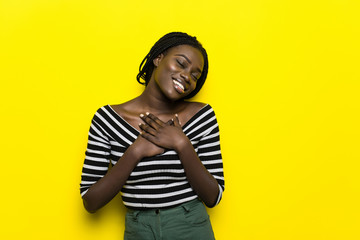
158	181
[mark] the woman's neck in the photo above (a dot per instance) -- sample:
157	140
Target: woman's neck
156	102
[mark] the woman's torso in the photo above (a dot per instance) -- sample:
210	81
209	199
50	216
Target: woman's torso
159	181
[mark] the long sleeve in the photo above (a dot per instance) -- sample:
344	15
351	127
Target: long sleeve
97	155
210	154
203	132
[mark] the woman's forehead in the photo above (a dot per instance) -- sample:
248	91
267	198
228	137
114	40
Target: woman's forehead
184	48
187	50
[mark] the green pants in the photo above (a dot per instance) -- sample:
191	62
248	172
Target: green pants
187	221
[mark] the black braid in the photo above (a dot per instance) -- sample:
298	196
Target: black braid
168	41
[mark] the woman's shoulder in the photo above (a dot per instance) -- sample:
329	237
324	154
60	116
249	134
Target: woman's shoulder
195	105
120	108
193	108
128	110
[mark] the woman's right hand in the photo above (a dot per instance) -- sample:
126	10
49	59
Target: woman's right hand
145	148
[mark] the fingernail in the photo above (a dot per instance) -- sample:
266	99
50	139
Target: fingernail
147	113
139	124
141	115
176	115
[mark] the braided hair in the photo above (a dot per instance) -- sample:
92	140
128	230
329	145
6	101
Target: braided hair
166	42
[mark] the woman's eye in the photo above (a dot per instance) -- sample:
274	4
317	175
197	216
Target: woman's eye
194	77
180	64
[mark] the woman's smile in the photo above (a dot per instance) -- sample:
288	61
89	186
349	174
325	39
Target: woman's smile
179	86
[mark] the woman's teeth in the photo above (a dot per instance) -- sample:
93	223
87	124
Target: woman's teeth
179	85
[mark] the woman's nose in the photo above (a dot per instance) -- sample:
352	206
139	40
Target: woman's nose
185	76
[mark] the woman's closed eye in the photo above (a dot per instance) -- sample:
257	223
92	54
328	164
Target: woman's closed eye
195	77
181	64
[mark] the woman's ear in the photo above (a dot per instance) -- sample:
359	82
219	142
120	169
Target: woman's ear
158	59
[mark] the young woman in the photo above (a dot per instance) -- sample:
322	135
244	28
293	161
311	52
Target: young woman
165	151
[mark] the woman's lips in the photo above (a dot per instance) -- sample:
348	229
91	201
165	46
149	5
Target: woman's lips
178	86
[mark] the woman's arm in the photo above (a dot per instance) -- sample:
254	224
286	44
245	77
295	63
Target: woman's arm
172	137
108	186
203	183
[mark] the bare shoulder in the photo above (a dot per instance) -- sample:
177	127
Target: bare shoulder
120	108
192	108
126	109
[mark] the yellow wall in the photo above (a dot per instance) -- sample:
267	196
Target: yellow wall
284	82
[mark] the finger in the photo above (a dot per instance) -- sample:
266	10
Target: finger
152	120
155	119
177	121
146	128
148	137
148	121
170	122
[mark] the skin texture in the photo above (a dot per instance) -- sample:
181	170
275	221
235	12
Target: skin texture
158	114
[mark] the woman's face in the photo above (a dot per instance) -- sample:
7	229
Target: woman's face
177	72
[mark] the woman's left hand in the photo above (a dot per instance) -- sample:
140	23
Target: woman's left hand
167	135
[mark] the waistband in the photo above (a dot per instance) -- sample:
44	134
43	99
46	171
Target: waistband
172	210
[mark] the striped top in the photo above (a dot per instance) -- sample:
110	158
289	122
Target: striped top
158	181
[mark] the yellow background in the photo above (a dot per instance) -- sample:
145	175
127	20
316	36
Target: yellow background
284	82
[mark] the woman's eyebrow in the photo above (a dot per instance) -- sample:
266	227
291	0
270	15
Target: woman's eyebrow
182	55
187	59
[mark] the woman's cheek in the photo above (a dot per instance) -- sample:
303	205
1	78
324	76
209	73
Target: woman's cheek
172	67
193	86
